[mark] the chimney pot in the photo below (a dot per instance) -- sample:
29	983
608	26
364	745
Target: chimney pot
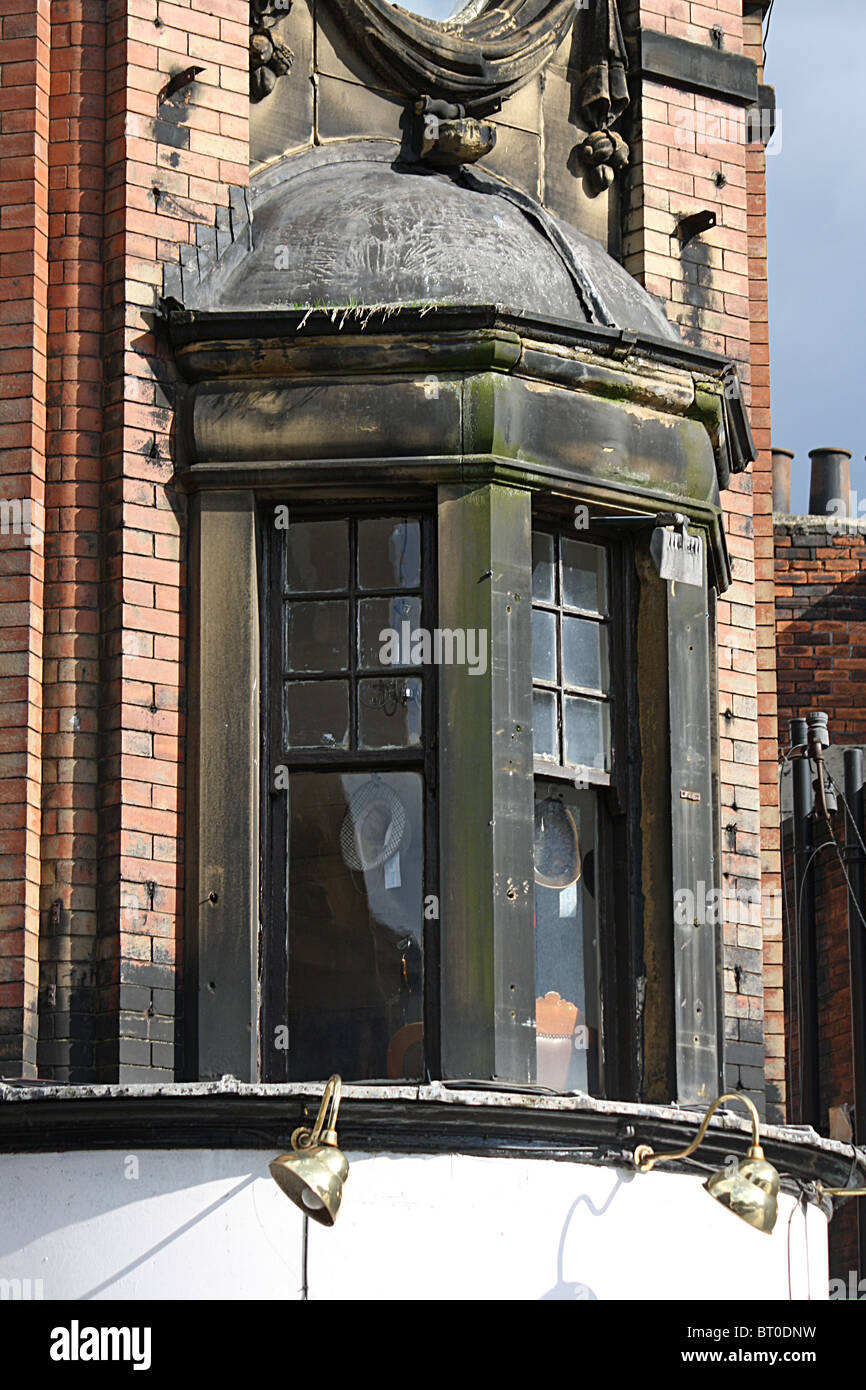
831	482
782	460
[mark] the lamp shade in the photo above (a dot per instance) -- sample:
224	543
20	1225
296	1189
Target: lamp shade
751	1191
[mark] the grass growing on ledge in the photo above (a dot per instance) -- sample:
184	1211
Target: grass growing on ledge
363	312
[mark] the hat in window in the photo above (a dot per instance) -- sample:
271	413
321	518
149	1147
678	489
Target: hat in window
557	849
373	827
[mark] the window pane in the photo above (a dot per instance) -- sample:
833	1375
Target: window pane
389	712
317	636
389	554
378	615
317	556
584	653
584	576
545	742
567	1005
317	714
543	645
355	925
543	586
587	739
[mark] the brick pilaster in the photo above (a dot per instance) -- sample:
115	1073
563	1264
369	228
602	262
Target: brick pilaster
170	163
689	154
765	621
68	951
24	91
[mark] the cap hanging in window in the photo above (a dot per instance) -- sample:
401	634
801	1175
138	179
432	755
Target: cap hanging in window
557	849
373	827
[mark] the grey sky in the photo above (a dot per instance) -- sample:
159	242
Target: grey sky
816	209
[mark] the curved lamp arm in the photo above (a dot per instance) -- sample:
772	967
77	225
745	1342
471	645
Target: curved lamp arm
645	1159
321	1132
839	1191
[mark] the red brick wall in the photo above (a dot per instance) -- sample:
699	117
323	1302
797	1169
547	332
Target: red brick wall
169	165
835	1054
68	1003
821	625
24	84
765	616
690	154
821	636
91	787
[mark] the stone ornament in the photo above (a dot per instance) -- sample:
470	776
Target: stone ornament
604	153
477	64
269	59
471	65
446	136
603	95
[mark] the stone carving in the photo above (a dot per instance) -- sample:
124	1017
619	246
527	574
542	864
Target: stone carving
269	59
477	63
446	136
603	94
604	153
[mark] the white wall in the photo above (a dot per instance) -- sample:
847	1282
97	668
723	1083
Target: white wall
212	1224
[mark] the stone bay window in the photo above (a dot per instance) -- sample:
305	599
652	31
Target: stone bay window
380	605
451	713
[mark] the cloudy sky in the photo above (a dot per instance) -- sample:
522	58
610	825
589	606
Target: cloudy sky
816	208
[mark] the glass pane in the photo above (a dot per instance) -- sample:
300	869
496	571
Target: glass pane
584	653
567	1005
543	586
587	736
387	615
317	714
545	742
356	979
543	645
389	712
584	576
317	556
317	636
389	554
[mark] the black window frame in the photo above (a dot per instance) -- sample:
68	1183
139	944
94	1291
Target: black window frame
618	896
620	902
274	964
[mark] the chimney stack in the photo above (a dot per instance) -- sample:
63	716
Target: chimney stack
782	459
831	482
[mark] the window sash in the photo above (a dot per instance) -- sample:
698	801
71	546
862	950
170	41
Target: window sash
276	965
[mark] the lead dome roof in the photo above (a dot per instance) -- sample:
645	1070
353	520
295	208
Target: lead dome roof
348	224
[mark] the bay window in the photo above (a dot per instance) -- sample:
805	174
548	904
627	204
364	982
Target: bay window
451	757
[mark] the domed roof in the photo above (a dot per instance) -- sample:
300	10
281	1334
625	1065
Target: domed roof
347	224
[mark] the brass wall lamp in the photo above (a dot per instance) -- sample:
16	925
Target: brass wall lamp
751	1191
312	1175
